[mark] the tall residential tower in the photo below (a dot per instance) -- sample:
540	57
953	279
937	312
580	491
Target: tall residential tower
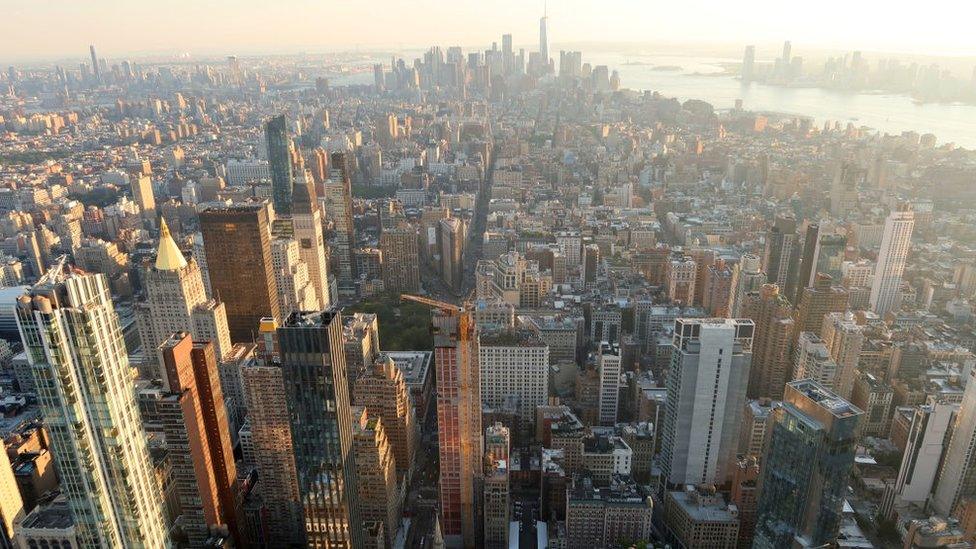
75	348
706	394
895	243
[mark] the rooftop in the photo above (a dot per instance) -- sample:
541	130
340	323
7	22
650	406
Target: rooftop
56	515
414	364
702	507
510	338
825	398
621	491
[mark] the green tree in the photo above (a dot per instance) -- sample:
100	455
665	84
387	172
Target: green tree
404	326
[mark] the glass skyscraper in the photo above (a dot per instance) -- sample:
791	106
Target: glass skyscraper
80	366
314	371
806	462
279	162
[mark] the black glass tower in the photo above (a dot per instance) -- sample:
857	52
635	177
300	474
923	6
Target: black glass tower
279	163
313	364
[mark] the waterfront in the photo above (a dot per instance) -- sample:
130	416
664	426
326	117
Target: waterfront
704	78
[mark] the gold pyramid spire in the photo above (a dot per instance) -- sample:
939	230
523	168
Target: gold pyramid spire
168	256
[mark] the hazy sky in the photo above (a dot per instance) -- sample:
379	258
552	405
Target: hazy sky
46	28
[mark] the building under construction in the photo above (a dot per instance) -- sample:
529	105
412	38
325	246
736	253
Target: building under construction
458	420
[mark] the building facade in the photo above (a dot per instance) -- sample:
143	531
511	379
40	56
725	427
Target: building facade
514	362
314	371
706	394
458	424
73	340
805	467
237	243
895	244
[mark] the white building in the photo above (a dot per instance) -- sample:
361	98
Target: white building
295	290
844	339
240	172
895	243
514	362
176	301
931	424
609	366
75	346
957	479
706	394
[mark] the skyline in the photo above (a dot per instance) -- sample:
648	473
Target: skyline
119	29
507	286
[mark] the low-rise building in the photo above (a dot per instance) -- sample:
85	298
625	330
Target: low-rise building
701	519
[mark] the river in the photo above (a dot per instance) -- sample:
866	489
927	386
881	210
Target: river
703	78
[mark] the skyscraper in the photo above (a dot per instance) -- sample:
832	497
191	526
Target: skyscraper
176	301
805	467
718	289
306	217
895	243
811	360
609	364
458	423
361	337
706	394
815	302
807	259
213	406
338	206
268	417
384	392
74	345
237	241
295	290
823	252
957	479
95	68
544	42
401	259
197	435
379	80
142	194
747	276
926	443
844	338
514	362
379	497
279	161
508	54
314	370
497	496
843	188
749	64
450	240
771	366
782	253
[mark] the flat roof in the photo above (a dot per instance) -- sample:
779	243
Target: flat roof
414	365
57	515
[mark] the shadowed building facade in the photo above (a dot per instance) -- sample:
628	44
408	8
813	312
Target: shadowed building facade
805	467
